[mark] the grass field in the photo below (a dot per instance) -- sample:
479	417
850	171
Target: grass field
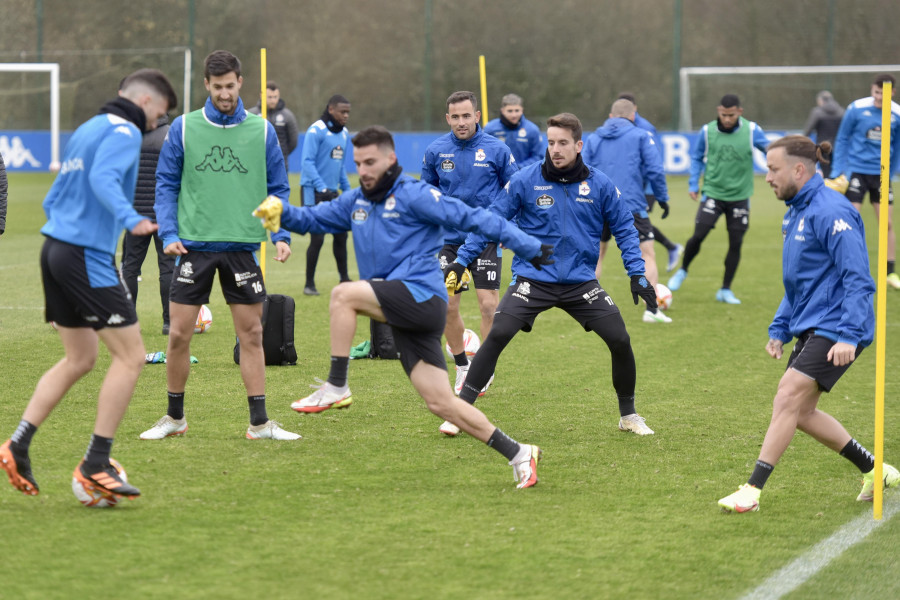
374	503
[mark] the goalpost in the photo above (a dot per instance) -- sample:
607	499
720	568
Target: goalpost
53	69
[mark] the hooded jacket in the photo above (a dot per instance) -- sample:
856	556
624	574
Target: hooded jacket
824	121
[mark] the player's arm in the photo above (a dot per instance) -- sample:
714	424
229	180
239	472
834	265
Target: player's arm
115	155
847	248
325	217
311	143
652	170
760	141
504	205
779	330
276	177
621	224
698	163
429	173
506	166
895	145
168	183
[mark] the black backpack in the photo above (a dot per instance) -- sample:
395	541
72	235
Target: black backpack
278	331
382	339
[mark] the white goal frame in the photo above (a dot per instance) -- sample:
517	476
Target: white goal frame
685	73
53	70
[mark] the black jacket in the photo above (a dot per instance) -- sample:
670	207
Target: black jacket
145	190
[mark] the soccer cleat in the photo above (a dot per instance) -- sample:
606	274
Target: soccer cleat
745	499
165	427
634	423
310	290
486	386
107	482
893	280
270	430
525	471
18	469
461	373
449	429
727	296
891	479
657	317
674	254
676	280
326	396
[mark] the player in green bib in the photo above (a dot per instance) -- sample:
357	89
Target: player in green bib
723	153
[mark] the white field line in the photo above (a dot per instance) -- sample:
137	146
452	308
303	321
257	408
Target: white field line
790	577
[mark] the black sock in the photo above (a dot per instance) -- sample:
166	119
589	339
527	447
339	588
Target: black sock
23	434
760	474
626	405
340	365
859	456
469	393
890	269
461	359
176	406
503	444
258	414
97	455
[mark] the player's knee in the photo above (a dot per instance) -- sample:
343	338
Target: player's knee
81	364
503	330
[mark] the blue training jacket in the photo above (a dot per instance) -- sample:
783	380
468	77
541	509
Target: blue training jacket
525	140
322	163
857	147
629	156
168	179
646	125
827	285
91	199
570	217
473	170
400	238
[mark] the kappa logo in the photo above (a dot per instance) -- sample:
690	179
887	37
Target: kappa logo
480	155
436	193
544	201
221	159
447	166
115	319
840	225
187	269
15	154
125	130
337	153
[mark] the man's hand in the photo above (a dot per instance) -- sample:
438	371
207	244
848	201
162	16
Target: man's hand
640	286
175	249
694	195
455	277
775	348
144	227
282	251
269	213
841	354
543	258
665	208
838	184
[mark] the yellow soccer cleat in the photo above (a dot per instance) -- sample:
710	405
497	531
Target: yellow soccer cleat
746	499
838	184
269	213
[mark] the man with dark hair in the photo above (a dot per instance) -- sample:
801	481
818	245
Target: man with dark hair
87	207
281	118
521	135
323	172
468	164
857	152
565	203
823	121
827	306
398	227
214	166
724	155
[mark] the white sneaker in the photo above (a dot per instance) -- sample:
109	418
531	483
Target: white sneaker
326	396
635	423
525	466
461	373
486	386
270	430
657	317
449	429
165	427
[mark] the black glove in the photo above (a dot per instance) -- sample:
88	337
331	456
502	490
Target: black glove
543	258
453	275
665	208
641	287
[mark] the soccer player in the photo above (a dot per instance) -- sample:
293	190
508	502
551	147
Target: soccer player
629	156
398	227
281	117
824	121
857	151
564	203
87	207
724	154
472	166
521	135
324	172
214	167
827	306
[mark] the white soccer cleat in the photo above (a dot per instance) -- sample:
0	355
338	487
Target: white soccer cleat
461	373
634	423
525	468
891	479
657	317
326	396
270	430
486	386
449	429
745	499
165	427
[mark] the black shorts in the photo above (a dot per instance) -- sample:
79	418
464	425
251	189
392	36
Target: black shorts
809	358
82	287
239	275
485	269
737	213
861	183
525	299
642	224
417	326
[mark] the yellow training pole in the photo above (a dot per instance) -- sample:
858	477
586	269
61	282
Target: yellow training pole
881	294
263	107
484	105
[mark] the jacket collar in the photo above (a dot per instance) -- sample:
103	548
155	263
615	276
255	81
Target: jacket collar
807	192
213	115
475	139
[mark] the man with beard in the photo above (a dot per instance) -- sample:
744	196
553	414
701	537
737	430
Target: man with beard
521	135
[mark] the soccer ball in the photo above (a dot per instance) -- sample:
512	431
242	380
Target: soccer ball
204	320
93	499
663	297
470	342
